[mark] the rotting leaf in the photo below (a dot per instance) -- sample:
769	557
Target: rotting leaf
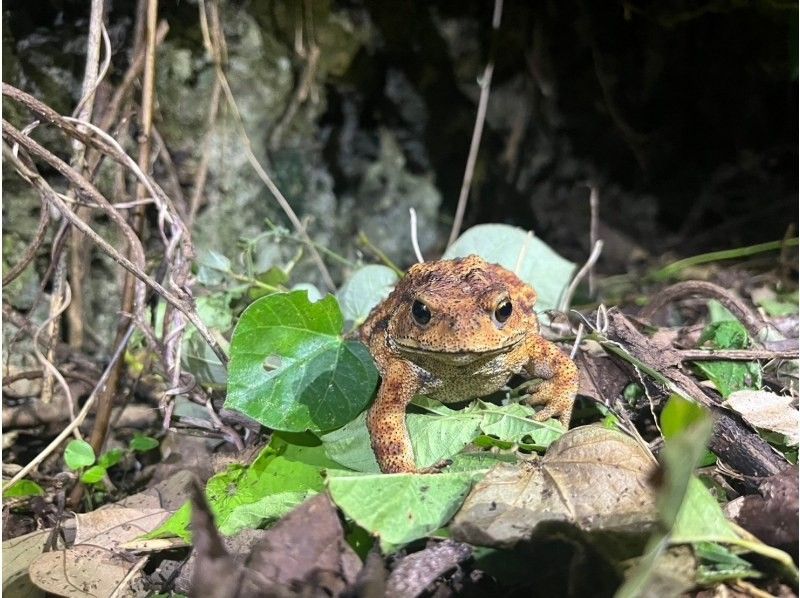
592	477
112	525
322	382
417	571
771	515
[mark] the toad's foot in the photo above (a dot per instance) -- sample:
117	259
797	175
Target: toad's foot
558	401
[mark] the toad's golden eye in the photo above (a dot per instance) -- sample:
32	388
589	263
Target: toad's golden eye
420	312
503	311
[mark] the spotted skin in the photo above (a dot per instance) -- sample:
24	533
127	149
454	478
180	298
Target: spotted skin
466	349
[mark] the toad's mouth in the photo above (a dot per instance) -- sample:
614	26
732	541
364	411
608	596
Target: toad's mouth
456	354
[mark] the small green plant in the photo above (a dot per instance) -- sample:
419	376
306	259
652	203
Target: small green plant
79	456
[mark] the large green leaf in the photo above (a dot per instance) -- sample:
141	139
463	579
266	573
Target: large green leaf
539	266
281	477
291	369
403	507
442	432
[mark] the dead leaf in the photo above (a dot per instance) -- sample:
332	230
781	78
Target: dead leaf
768	411
305	550
111	526
592	477
168	494
417	571
18	554
80	571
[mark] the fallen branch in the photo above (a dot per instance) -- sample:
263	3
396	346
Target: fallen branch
733	441
751	320
735	355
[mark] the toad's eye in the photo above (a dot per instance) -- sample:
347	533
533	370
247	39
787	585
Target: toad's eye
420	312
503	311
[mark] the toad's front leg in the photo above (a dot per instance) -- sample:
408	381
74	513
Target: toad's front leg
386	420
560	374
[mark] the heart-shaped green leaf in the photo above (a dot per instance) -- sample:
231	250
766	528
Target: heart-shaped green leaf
291	369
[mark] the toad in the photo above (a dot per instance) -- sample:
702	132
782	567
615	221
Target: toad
455	330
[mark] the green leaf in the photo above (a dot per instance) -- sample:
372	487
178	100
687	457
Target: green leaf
281	477
23	488
719	564
700	518
678	414
93	475
502	244
443	433
400	508
290	368
725	334
177	525
728	376
142	444
110	458
731	376
274	277
78	453
212	267
269	508
366	288
197	357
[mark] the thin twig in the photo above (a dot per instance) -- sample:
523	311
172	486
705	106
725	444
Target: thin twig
412	214
105	401
47	192
47	362
198	189
87	407
83	111
32	248
735	355
567	300
477	131
594	221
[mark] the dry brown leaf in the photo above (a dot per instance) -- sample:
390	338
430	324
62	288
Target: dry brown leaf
80	572
592	477
111	526
768	411
18	554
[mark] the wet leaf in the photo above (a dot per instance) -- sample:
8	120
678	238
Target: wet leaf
399	508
